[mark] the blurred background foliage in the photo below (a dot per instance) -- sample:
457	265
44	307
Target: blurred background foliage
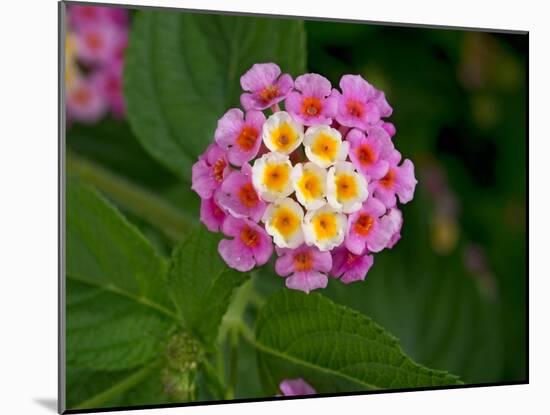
454	289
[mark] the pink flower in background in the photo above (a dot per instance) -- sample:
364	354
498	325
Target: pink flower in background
305	267
398	181
211	215
84	101
238	196
360	105
111	87
240	135
99	37
370	153
312	103
324	184
368	228
97	44
296	387
350	267
265	85
209	172
80	16
250	245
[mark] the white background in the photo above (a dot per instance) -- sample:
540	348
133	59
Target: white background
28	203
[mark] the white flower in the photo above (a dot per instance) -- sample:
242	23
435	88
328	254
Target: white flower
324	145
281	133
283	221
325	228
271	176
310	183
346	188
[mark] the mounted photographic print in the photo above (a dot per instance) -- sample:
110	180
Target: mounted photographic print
259	208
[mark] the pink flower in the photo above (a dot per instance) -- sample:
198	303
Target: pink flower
313	104
250	245
296	387
209	172
98	43
306	265
399	180
212	215
368	228
360	104
80	16
117	16
84	100
396	218
369	154
350	267
264	85
238	196
111	87
239	136
389	128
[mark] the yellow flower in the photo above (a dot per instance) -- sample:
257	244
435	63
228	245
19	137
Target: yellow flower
346	188
281	133
309	181
283	221
325	228
324	146
271	176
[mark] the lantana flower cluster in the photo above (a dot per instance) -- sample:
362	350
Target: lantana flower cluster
96	40
316	183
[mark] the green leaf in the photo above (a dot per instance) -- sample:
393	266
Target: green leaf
118	313
333	348
201	284
430	302
108	332
182	73
89	389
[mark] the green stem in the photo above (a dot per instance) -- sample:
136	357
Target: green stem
233	364
115	390
131	197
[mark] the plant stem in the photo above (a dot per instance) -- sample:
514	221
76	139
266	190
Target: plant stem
135	199
233	363
115	390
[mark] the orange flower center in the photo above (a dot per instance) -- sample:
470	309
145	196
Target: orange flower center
365	154
218	168
363	224
247	138
249	237
389	179
311	106
82	96
248	196
303	261
94	41
268	93
355	108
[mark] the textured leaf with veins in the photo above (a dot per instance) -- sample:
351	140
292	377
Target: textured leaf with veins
333	347
183	70
118	313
